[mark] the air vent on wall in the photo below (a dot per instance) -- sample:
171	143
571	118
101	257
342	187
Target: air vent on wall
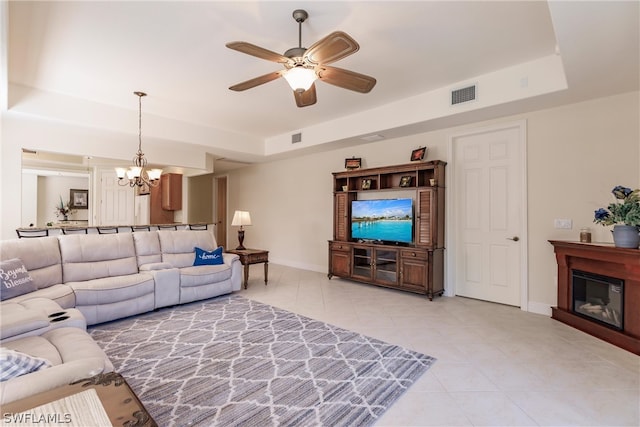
296	137
465	94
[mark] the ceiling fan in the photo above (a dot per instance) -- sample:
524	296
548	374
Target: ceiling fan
303	66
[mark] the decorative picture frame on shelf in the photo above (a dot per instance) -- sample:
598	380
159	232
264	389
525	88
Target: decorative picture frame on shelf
418	154
353	163
366	184
79	199
405	181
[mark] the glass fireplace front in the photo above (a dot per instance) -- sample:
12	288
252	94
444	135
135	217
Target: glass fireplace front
599	298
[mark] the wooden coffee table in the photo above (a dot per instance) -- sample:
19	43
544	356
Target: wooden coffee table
252	256
120	403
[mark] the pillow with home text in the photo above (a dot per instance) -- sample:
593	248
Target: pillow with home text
208	257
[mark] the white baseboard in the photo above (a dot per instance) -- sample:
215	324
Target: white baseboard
300	265
539	308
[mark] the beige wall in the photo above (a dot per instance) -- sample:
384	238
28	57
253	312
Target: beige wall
576	154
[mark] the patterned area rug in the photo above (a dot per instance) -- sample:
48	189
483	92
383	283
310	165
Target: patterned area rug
232	361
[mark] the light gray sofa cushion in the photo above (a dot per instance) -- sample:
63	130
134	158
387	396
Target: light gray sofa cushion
112	289
204	274
61	294
178	247
147	247
203	281
41	256
95	256
102	270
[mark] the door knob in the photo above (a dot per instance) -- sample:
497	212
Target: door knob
514	238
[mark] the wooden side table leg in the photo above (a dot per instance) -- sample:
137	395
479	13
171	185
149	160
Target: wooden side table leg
266	272
246	275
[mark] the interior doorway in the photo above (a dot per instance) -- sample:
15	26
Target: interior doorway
117	204
488	202
221	211
200	199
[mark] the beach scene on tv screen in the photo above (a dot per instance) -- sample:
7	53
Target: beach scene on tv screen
385	219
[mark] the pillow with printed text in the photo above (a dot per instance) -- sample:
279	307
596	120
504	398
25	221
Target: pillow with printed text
208	257
14	279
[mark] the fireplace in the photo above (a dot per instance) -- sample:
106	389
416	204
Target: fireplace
599	291
598	298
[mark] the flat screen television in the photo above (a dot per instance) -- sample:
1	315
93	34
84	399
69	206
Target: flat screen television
386	220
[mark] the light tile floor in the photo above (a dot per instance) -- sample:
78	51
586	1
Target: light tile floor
497	365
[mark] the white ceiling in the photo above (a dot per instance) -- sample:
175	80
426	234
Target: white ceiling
175	51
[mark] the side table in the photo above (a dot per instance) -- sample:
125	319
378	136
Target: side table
118	400
252	256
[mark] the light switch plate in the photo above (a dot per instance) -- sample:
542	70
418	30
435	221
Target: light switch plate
565	224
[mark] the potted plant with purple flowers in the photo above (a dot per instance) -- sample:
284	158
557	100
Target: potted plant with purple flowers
624	215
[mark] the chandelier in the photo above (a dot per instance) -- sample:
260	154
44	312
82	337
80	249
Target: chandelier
138	175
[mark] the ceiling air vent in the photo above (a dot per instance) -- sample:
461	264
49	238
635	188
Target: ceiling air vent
296	137
465	94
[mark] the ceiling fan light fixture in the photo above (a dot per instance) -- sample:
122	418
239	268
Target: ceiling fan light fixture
300	78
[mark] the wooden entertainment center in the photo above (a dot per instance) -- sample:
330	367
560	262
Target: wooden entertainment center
415	267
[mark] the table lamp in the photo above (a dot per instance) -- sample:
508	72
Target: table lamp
241	218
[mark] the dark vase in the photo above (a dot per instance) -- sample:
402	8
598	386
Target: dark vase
626	236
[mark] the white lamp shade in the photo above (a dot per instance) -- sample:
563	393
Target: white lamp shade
154	174
300	78
121	172
241	218
134	172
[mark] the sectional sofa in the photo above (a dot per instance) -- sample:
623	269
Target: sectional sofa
78	280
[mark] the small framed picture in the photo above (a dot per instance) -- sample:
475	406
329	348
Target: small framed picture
366	184
352	163
405	181
79	199
418	154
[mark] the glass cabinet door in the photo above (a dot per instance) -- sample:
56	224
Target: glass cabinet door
362	262
386	263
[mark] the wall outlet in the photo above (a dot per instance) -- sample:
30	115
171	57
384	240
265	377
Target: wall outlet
565	224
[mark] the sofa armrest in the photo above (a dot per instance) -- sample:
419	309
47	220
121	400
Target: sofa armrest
167	285
233	261
16	319
155	266
229	258
50	378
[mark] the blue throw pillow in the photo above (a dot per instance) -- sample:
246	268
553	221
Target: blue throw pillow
208	257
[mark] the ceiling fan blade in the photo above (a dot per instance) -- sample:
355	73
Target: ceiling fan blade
256	81
257	51
306	98
333	47
346	79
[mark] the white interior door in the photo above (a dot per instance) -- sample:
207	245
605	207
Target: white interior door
116	202
490	214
